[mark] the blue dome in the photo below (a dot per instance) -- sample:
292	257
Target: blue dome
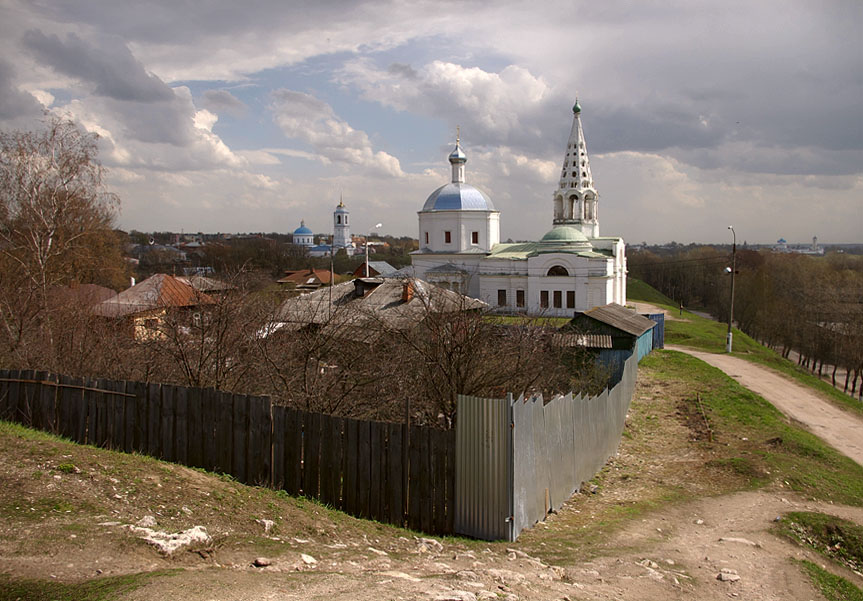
302	230
458	197
457	155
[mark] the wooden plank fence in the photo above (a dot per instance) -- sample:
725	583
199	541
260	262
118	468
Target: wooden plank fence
375	470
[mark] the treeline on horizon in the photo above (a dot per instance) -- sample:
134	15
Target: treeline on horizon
269	255
788	301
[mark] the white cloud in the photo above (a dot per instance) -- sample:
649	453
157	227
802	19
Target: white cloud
496	106
306	118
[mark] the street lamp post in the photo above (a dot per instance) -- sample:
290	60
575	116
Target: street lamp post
733	271
367	246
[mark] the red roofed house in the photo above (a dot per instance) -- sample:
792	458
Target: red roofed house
146	305
306	280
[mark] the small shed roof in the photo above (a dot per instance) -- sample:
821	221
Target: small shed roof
376	268
306	276
618	316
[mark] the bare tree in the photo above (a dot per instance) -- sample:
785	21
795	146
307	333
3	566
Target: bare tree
55	226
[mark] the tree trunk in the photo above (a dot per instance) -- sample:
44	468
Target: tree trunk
834	376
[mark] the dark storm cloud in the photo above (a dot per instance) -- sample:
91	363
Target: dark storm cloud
14	103
110	69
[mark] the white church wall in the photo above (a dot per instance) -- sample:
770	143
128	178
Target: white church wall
491	286
461	226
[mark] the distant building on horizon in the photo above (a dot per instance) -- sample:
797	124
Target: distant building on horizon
303	236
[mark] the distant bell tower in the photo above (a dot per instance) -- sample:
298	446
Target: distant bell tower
341	227
575	200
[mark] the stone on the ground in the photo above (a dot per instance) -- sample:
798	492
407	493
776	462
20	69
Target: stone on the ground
262	562
455	596
267	524
742	541
430	544
168	543
308	559
148	521
727	575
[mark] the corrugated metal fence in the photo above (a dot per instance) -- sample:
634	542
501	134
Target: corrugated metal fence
659	330
517	460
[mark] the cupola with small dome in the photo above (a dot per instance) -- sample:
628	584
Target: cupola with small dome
458	217
303	236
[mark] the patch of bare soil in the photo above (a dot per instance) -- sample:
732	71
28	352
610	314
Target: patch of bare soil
641	307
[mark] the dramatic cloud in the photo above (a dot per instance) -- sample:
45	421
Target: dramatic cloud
110	69
304	117
498	107
242	116
14	103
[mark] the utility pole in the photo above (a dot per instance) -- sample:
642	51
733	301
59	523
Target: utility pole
733	271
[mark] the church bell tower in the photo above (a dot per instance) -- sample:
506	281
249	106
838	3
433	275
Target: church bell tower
575	200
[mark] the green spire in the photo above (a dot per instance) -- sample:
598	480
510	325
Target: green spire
576	108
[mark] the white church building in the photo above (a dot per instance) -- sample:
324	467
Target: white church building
571	269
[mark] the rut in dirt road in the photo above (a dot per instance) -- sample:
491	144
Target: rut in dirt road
840	429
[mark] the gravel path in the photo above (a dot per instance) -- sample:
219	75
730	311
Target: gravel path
841	429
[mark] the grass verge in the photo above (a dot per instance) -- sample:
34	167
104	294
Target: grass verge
708	335
833	587
98	589
761	445
833	537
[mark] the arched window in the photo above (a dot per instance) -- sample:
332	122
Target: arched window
557	270
338	218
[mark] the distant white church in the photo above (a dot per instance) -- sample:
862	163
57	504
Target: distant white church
303	236
571	269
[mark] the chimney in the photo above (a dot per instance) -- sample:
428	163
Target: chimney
133	281
359	288
407	291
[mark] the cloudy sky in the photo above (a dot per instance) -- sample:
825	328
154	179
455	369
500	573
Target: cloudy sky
249	116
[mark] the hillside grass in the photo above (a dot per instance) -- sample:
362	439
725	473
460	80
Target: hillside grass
760	442
831	536
833	587
98	589
704	334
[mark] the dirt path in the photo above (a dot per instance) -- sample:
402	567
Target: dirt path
678	553
840	429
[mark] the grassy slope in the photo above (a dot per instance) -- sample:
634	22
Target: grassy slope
708	335
766	449
54	494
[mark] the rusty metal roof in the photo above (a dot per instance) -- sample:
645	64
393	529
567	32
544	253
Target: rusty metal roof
157	292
